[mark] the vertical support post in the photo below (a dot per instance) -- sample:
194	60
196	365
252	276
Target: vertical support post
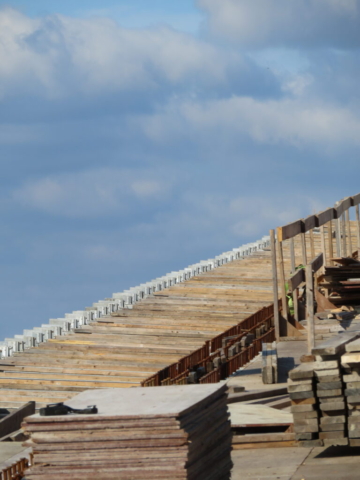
312	244
323	246
343	232
339	249
293	266
282	281
348	225
275	284
303	248
330	241
357	213
310	307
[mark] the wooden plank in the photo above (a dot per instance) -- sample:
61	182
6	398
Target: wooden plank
310	306
325	216
290	230
12	422
303	249
293	270
356	199
317	262
348	226
310	223
330	240
357	214
297	279
275	284
336	344
282	281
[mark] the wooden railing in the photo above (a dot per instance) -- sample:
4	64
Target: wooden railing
219	346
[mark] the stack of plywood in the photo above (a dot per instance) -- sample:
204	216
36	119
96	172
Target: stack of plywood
302	392
177	432
317	393
351	365
330	392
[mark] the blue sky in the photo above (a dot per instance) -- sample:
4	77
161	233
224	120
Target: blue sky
139	137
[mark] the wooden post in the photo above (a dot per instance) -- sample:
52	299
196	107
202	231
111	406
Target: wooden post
343	232
330	241
338	238
348	225
303	248
312	244
275	284
357	212
323	246
293	267
282	281
310	307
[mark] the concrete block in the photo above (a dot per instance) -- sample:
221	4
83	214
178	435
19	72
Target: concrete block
62	322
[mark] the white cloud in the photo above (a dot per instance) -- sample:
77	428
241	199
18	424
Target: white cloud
92	193
57	56
262	23
296	122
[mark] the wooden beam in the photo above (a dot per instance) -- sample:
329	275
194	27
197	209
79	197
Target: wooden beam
12	422
275	284
312	243
357	210
290	230
326	216
330	241
297	279
310	223
348	226
343	234
356	199
310	307
303	249
293	266
317	262
323	243
282	280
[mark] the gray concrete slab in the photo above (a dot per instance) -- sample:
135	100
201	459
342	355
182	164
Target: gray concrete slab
268	463
332	463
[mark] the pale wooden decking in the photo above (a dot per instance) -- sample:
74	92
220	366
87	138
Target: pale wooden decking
122	350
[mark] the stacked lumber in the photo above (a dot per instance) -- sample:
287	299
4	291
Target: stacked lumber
350	362
317	393
177	432
342	282
330	390
304	404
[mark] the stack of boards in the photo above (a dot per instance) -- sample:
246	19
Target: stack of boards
173	432
325	393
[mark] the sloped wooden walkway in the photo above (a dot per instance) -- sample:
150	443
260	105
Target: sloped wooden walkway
131	345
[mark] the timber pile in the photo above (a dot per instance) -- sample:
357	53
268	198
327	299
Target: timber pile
317	393
342	282
350	362
184	433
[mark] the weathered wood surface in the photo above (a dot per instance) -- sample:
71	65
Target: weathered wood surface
121	351
184	433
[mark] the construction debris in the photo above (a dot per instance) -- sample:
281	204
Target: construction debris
181	433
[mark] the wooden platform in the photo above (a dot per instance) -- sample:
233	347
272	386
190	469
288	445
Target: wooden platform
122	350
